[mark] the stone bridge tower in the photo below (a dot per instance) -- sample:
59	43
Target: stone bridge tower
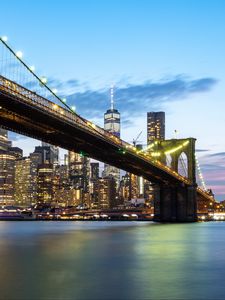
177	203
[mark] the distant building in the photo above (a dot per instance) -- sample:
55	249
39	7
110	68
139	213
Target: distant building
49	154
124	190
94	171
79	174
94	182
112	125
45	183
155	126
17	152
54	153
23	182
35	161
62	172
106	193
7	178
8	157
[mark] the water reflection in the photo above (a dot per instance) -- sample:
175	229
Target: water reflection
118	260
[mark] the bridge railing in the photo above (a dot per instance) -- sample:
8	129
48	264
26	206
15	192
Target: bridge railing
30	97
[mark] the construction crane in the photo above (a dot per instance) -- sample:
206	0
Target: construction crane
136	140
130	184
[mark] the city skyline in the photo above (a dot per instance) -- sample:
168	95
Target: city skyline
181	83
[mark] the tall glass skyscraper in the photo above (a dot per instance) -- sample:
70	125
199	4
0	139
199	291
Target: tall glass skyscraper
155	126
112	125
7	170
112	117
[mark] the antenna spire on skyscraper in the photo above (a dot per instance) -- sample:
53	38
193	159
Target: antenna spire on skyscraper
112	96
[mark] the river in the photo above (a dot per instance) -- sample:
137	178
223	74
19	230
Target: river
111	260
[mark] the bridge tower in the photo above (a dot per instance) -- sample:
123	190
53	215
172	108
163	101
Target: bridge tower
177	203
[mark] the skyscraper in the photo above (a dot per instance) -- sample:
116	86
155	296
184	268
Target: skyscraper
35	161
7	170
45	183
155	126
106	192
94	183
112	125
49	153
112	117
7	177
94	174
54	153
23	182
79	173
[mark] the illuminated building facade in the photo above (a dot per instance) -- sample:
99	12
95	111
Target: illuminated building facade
155	126
7	177
23	183
94	181
79	174
124	191
7	170
106	192
45	183
112	125
35	161
17	152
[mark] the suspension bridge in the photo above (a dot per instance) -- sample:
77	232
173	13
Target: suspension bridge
30	107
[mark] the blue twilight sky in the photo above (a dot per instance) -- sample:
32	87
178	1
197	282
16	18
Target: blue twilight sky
160	54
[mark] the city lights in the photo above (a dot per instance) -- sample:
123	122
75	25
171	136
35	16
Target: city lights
44	80
153	156
19	54
4	38
32	68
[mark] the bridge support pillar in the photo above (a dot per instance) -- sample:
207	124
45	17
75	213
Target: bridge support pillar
175	204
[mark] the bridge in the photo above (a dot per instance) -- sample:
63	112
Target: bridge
27	112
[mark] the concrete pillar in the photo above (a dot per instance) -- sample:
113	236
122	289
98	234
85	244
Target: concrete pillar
156	202
176	204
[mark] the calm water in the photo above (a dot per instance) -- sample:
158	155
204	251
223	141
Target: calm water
118	260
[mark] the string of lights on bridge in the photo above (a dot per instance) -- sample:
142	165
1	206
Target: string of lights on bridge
42	80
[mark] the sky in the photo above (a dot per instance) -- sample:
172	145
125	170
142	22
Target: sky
160	55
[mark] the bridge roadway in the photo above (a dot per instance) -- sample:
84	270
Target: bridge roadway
27	113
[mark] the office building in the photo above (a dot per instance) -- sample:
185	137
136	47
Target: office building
155	126
106	193
79	174
23	182
49	154
94	182
112	125
45	183
7	178
7	169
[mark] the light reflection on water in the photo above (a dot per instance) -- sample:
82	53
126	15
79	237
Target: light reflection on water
117	260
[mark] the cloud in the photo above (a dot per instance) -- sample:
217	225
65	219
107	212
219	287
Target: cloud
201	150
218	154
135	99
